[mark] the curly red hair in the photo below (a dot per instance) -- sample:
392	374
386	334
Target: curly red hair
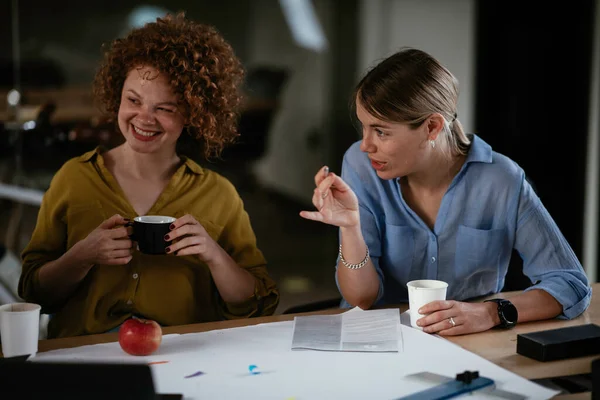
202	67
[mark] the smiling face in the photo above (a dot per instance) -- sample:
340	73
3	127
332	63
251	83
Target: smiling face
395	150
149	117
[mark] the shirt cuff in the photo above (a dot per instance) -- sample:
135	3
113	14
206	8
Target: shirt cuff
578	308
572	306
35	295
262	302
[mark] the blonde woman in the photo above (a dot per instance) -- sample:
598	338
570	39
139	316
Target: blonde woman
420	199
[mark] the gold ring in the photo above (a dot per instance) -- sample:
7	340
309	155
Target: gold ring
452	322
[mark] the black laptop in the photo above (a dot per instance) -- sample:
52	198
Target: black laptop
69	380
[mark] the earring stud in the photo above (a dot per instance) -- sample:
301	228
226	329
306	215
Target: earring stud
432	143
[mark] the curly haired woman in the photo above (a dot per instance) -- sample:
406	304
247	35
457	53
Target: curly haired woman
169	81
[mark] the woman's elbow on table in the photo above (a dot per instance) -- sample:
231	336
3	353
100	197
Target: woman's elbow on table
573	294
363	301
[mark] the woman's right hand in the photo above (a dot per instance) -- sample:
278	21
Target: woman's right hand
108	244
335	201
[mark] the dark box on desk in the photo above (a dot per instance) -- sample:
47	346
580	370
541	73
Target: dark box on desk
558	344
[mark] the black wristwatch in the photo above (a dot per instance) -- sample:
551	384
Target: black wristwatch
507	312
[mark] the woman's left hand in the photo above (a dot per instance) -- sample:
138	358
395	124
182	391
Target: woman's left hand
189	237
467	317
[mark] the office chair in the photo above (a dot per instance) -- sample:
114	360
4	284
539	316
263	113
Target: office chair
263	88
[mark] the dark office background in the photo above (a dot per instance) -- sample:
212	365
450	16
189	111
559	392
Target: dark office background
532	99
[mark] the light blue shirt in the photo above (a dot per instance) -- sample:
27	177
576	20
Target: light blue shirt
488	209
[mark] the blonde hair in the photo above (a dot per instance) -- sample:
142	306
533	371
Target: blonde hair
410	86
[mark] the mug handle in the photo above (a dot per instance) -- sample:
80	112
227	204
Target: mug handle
127	225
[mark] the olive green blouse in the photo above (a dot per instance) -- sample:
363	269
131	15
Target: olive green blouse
168	289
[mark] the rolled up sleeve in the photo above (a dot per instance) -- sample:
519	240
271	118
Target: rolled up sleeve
47	243
239	241
548	259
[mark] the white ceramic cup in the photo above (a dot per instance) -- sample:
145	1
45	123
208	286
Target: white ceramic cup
422	292
19	329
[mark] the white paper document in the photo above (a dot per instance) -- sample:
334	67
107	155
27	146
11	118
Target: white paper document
216	365
354	330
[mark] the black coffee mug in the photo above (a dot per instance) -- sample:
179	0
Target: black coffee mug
149	232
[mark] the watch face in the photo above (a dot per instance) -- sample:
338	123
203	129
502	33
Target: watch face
509	311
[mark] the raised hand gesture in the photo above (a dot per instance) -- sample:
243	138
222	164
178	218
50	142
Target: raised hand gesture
335	201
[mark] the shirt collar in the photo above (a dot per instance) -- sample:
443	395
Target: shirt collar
190	164
480	151
85	157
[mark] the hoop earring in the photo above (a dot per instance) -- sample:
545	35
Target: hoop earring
432	143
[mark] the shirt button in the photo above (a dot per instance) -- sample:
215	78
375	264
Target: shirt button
432	259
129	302
135	276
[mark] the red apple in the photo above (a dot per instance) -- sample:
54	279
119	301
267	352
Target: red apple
140	337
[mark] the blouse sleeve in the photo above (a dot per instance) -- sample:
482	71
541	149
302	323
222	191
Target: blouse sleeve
48	243
548	259
239	241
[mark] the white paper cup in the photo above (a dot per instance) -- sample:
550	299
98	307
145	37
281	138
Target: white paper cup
422	292
19	329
